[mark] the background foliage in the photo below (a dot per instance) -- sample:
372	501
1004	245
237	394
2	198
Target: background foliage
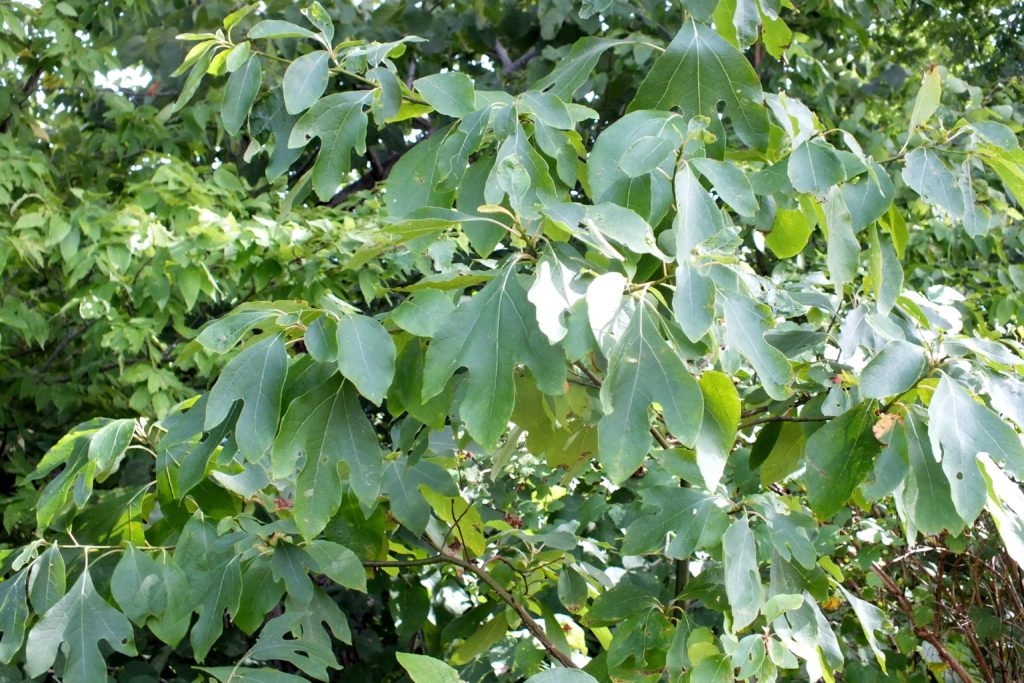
670	341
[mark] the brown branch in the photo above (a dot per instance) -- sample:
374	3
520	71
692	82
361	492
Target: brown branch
509	65
920	631
524	59
422	562
26	91
481	573
528	621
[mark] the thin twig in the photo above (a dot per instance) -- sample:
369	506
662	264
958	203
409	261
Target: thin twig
528	621
784	418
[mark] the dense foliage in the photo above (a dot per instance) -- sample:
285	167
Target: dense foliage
494	341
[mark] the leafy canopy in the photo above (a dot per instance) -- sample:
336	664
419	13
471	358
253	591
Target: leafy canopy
657	353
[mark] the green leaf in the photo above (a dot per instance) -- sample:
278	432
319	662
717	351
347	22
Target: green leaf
338	563
426	221
275	28
780	603
790	232
413	181
340	123
776	36
195	77
891	285
488	334
618	603
960	428
718	428
305	81
893	371
785	454
241	13
644	369
289	564
47	583
13	615
598	223
697	71
693	303
928	176
79	621
843	256
321	339
261	592
110	443
312	656
572	590
318	16
1008	170
746	322
573	70
839	456
699	218
137	585
450	93
424	313
256	377
742	578
814	167
648	195
623	226
216	592
749	655
871	619
926	493
731	184
462	517
172	625
868	197
791	537
366	355
402	483
926	102
645	154
521	174
242	87
483	639
423	669
327	426
557	287
1005	502
194	465
221	334
696	519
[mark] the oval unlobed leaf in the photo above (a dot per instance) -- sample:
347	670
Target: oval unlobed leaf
305	81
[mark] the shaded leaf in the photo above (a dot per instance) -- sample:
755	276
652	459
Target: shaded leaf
242	87
305	81
644	369
79	621
960	429
256	377
839	456
697	71
487	335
